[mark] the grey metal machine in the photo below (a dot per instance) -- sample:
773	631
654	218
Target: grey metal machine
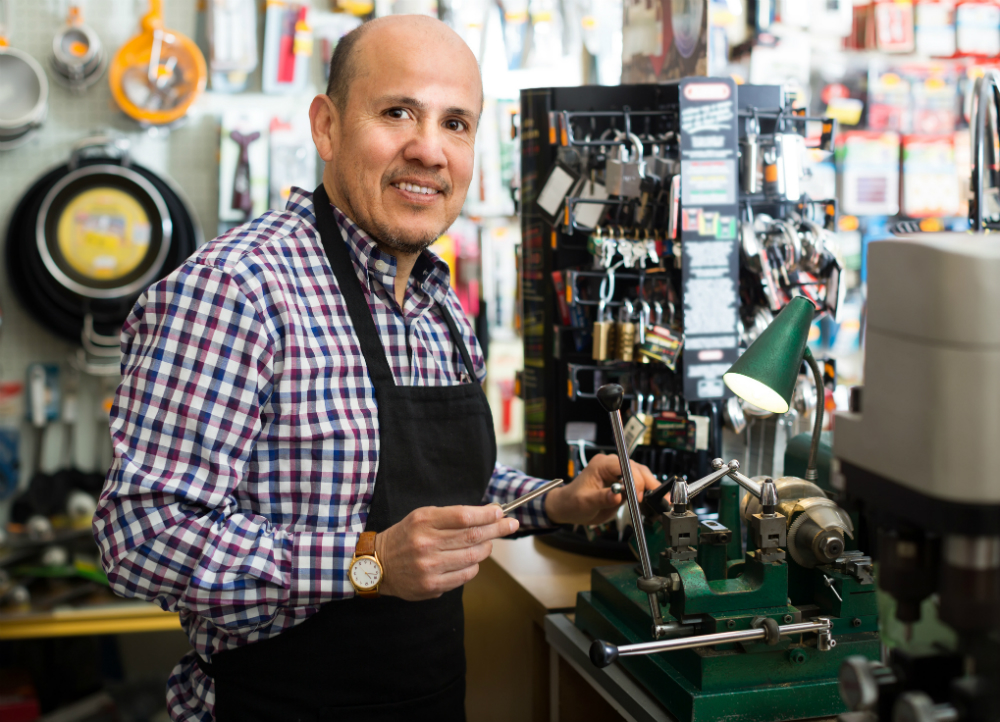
913	457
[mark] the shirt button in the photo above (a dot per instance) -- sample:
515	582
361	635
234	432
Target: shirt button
381	266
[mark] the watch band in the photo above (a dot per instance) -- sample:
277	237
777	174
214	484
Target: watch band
366	548
366	545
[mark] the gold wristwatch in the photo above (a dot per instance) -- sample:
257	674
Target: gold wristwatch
366	570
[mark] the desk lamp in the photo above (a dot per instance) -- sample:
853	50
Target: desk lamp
766	373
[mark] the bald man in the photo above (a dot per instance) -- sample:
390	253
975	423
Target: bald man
304	456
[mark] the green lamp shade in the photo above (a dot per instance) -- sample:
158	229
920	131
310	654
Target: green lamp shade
765	374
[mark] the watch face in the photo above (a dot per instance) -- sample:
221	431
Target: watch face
365	573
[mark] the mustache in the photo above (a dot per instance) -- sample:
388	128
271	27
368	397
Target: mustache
419	174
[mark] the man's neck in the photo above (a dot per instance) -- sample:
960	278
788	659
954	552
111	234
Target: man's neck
404	267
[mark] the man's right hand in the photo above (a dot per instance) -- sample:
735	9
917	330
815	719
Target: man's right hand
437	549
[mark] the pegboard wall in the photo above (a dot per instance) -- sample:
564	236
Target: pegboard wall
186	154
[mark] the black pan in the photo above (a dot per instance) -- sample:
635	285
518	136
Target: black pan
53	292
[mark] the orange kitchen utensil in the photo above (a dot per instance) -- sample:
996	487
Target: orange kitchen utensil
158	74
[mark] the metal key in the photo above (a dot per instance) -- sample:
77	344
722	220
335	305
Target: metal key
522	500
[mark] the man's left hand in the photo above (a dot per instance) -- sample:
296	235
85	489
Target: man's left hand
588	499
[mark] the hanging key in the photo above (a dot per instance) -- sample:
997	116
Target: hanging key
652	256
595	245
625	332
639	414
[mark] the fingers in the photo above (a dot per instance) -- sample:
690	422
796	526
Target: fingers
446	582
459	517
644	479
471	536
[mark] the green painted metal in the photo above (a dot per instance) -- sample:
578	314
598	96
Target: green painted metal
728	589
775	358
756	683
729	516
797	457
759	585
712	559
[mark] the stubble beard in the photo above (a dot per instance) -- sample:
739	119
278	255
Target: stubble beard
382	234
385	236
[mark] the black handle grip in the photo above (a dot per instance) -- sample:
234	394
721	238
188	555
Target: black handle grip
610	396
603	653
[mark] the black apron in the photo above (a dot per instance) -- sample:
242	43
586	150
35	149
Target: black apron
377	659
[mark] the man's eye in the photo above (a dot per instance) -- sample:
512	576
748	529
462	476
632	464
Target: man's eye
398	113
455	125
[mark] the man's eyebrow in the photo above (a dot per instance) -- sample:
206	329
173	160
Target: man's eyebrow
419	104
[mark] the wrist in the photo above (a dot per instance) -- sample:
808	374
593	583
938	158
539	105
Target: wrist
554	507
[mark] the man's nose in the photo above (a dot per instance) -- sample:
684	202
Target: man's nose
426	146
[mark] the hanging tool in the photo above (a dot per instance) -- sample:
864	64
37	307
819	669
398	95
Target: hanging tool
158	74
242	200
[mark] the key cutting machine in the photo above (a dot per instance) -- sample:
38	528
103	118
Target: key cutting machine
718	633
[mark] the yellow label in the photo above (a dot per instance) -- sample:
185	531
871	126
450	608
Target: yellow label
103	234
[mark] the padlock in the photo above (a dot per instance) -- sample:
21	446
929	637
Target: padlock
623	175
604	334
659	164
625	332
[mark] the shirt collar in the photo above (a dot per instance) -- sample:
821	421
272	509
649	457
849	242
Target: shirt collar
430	271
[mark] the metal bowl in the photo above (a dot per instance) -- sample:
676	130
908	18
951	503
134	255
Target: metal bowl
24	95
78	58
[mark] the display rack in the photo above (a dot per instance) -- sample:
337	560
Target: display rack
691	207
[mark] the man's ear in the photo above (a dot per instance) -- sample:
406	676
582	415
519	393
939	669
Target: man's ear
323	119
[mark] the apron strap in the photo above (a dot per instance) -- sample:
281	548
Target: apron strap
456	337
350	287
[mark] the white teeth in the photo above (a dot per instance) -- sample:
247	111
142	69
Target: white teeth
415	188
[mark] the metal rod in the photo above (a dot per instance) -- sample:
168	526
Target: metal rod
746	482
703	483
811	473
521	500
710	640
630	494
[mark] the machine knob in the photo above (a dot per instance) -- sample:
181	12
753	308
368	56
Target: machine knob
603	653
610	396
918	707
858	686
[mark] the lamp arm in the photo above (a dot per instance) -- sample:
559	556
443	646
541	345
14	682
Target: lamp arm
811	473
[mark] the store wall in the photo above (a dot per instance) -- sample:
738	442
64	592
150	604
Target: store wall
187	154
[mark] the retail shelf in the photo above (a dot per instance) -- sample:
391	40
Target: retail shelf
120	618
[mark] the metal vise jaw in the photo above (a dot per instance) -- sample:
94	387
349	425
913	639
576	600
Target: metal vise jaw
680	526
769	528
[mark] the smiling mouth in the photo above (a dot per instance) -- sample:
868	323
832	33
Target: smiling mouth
418	189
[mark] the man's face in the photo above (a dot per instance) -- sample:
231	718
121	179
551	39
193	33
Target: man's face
403	147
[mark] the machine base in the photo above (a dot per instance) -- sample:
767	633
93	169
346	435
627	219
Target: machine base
735	683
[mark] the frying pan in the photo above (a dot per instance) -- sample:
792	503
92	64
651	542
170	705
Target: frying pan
24	90
90	235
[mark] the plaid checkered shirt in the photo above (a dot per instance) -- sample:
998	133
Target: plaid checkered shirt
246	432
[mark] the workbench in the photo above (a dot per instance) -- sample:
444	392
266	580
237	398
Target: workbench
512	669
